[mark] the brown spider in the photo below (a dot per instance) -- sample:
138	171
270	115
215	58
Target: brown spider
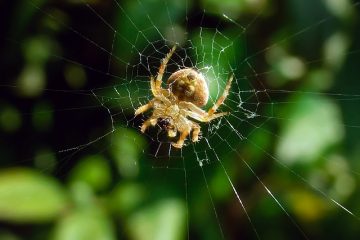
187	91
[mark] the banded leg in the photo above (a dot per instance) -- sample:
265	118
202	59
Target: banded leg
162	67
180	142
144	108
153	87
214	116
148	123
196	132
204	116
221	99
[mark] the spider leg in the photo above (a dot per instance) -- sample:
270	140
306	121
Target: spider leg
162	68
157	91
172	133
202	116
199	114
192	107
154	90
211	117
148	123
205	117
180	142
144	108
221	99
196	132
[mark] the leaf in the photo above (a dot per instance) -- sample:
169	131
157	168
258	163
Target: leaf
126	197
29	196
161	221
93	170
314	124
89	224
126	150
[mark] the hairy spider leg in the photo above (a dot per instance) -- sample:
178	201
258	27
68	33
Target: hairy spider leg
196	132
200	115
195	128
148	123
221	99
154	90
183	135
144	108
204	117
162	67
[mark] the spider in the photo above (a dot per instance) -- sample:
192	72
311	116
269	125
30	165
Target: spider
187	92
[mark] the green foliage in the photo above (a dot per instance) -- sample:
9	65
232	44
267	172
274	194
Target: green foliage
85	224
92	170
29	196
312	126
164	220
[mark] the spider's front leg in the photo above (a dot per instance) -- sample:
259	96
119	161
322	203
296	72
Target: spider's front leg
208	118
154	89
144	108
221	99
200	115
162	68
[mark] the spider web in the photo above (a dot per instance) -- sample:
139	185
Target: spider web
216	45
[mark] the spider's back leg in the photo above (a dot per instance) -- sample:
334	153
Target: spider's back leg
181	140
196	132
148	123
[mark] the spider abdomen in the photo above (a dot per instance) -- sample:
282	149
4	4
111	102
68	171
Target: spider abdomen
190	86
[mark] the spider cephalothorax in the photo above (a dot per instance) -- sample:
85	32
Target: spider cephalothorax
187	91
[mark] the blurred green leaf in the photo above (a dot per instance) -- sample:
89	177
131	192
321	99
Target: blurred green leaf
10	119
89	224
82	195
75	76
161	221
341	9
312	125
219	7
45	159
42	116
126	150
126	197
93	170
6	235
306	205
29	196
32	80
335	50
37	50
